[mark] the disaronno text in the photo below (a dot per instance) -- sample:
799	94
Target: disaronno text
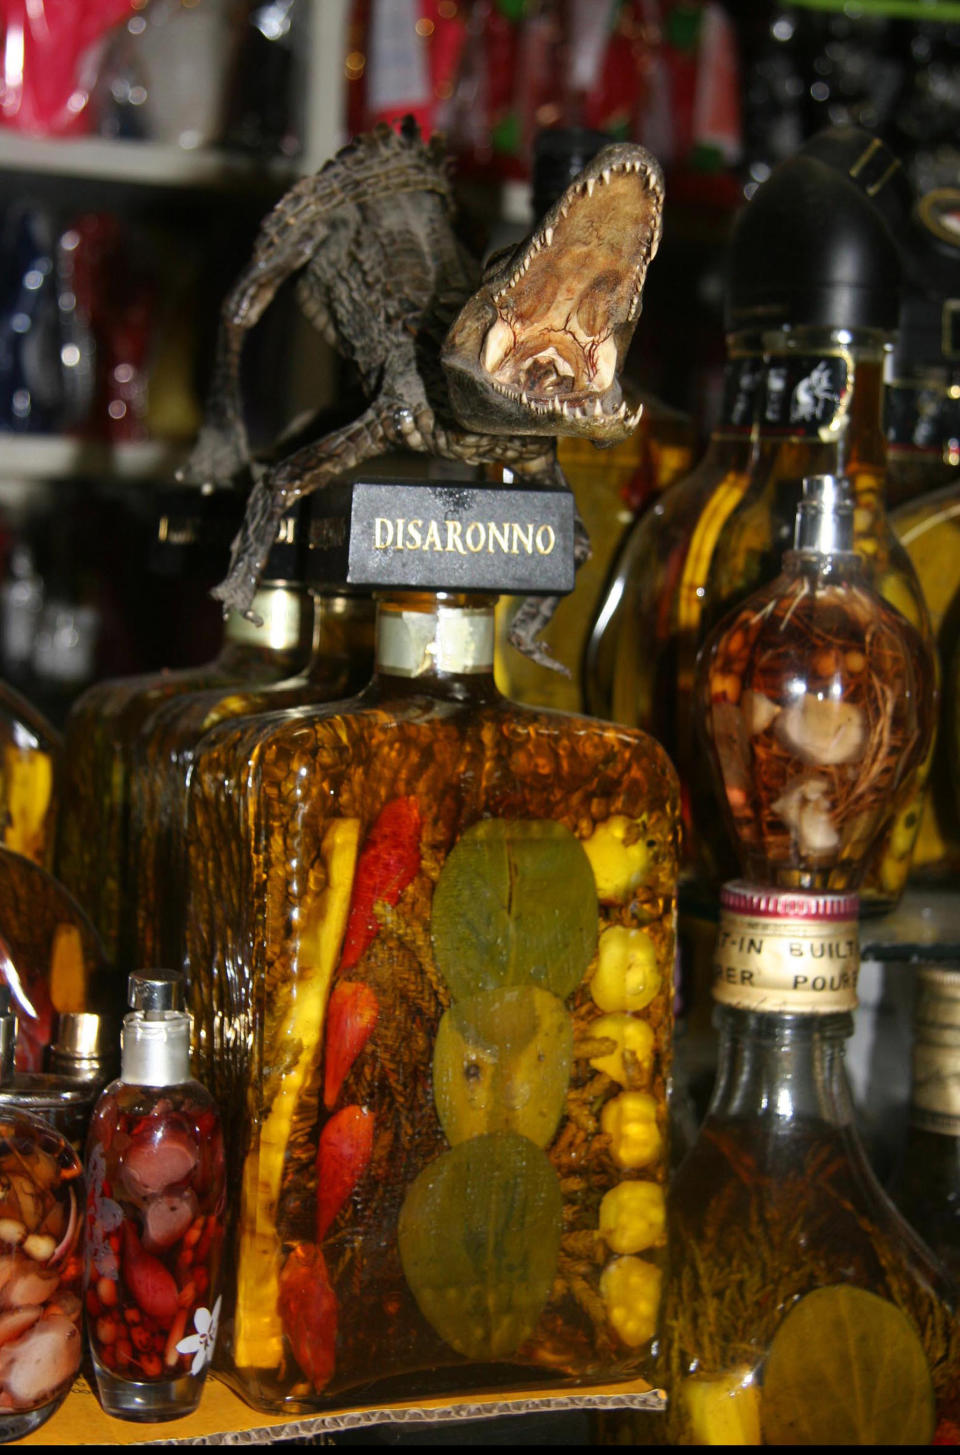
508	538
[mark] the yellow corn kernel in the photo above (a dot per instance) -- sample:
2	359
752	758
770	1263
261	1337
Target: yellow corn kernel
723	1409
618	867
630	1121
626	977
633	1216
631	1062
630	1289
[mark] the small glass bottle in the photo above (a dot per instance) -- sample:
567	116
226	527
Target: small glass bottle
155	1211
425	1084
926	1186
41	1261
800	1307
340	663
30	753
93	843
817	699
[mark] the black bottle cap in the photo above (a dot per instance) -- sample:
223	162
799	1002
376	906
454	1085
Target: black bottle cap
930	309
811	248
870	165
195	528
559	155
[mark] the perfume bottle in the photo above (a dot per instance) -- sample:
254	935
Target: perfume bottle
926	1186
93	843
610	486
30	751
53	961
430	945
163	755
817	700
41	1261
800	1307
155	1210
922	393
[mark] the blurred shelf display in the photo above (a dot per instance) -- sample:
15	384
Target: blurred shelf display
55	457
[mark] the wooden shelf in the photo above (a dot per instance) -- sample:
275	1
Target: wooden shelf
58	457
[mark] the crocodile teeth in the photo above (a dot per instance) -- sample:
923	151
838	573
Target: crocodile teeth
547	236
591	183
597	409
496	346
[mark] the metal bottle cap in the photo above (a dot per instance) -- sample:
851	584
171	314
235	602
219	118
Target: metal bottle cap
155	990
155	1038
824	522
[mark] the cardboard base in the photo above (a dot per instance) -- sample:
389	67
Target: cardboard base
222	1416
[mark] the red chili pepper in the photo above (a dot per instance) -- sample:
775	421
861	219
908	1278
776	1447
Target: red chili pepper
343	1154
388	861
308	1312
351	1016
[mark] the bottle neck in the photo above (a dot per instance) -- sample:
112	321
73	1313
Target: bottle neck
343	630
155	1048
823	388
743	376
285	610
774	1066
435	640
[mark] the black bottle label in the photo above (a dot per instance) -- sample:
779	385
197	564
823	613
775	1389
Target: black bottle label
449	537
921	418
806	398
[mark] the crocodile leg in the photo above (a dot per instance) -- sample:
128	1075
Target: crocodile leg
536	612
276	490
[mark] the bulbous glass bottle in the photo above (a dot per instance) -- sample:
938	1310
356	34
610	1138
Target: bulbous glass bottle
430	947
817	700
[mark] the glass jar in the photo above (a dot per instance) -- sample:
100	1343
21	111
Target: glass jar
430	947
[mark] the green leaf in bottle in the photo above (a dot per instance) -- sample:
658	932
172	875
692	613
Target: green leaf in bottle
479	1237
515	904
501	1063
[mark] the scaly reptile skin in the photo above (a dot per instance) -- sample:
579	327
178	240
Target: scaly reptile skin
480	369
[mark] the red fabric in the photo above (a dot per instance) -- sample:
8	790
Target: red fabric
49	60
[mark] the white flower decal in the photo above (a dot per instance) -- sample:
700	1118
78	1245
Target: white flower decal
201	1344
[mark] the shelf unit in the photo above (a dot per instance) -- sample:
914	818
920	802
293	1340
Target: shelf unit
129	167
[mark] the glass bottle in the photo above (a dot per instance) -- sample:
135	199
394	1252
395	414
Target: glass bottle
426	1089
922	395
30	753
41	1261
655	585
815	258
817	700
610	485
93	845
926	1187
155	1208
164	753
52	959
800	1307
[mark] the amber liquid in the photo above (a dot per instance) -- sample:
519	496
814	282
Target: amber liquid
263	881
610	487
30	750
763	1212
164	755
93	841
